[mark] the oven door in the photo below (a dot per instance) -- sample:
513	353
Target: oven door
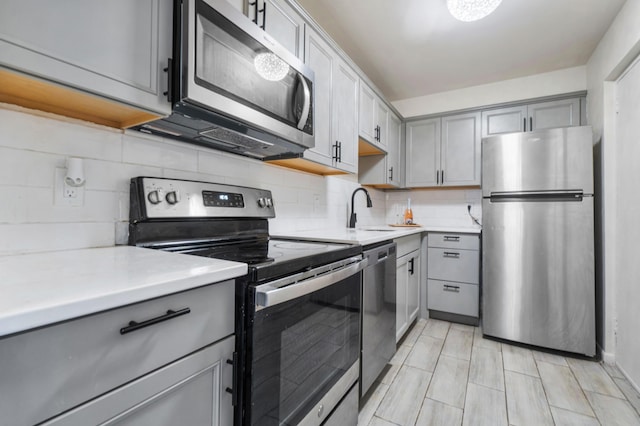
303	345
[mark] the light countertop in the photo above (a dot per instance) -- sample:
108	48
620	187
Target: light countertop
45	288
366	235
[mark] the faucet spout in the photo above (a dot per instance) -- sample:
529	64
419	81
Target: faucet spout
352	218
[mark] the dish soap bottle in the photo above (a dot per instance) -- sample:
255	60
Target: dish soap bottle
408	214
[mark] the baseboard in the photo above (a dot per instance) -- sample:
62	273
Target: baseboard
607	357
626	375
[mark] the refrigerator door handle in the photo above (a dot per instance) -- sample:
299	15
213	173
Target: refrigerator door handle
505	197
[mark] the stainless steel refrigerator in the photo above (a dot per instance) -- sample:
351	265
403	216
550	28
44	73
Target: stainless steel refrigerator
538	251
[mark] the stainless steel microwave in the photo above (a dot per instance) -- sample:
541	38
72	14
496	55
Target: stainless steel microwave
233	87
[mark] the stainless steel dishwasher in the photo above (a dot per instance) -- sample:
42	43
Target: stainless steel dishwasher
378	312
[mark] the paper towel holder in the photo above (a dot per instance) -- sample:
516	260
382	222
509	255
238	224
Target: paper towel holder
75	172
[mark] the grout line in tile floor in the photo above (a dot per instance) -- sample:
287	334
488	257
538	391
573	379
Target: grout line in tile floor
458	389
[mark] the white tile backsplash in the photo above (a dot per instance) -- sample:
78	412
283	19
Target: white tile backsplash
32	146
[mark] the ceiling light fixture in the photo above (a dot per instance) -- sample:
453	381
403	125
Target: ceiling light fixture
471	10
270	67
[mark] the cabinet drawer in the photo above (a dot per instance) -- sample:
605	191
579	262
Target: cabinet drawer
408	244
453	265
460	241
456	298
53	369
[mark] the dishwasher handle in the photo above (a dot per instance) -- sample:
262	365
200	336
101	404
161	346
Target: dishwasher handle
271	294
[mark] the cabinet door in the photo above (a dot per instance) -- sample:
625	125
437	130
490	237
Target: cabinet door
366	118
392	171
504	120
460	150
422	152
238	4
282	22
549	115
402	282
345	113
413	286
382	121
190	391
116	49
320	58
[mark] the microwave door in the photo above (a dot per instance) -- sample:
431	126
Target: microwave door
233	73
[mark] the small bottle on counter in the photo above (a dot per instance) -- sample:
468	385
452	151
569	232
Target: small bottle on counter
408	214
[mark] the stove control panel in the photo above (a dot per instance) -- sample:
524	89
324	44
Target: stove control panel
173	198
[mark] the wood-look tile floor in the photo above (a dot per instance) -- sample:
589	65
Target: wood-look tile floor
448	374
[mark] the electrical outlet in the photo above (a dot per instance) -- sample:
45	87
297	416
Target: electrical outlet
69	191
64	194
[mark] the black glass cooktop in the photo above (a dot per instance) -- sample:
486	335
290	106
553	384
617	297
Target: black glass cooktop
278	257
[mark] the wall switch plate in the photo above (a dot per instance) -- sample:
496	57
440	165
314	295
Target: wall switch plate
64	194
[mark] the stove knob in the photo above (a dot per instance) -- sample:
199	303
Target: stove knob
173	197
155	196
262	202
269	203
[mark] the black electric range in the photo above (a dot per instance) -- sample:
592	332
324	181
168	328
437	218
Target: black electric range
231	222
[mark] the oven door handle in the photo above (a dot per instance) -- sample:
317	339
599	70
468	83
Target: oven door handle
268	295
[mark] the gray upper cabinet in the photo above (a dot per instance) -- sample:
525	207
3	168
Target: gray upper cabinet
460	150
422	153
443	151
383	170
336	111
345	115
280	21
116	49
537	116
373	117
319	56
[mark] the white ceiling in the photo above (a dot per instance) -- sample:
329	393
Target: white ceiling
411	48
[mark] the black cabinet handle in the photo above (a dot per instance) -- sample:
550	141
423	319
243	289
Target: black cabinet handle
169	71
133	325
264	15
451	254
255	11
453	288
524	124
340	152
442	177
531	124
335	151
411	265
233	390
451	238
437	177
391	173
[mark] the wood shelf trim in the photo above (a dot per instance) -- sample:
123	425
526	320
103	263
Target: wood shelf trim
34	93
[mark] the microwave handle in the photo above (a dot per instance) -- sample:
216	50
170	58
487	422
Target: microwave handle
307	103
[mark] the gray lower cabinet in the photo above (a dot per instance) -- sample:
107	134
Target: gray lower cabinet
100	363
443	151
116	49
453	277
407	282
535	116
191	391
